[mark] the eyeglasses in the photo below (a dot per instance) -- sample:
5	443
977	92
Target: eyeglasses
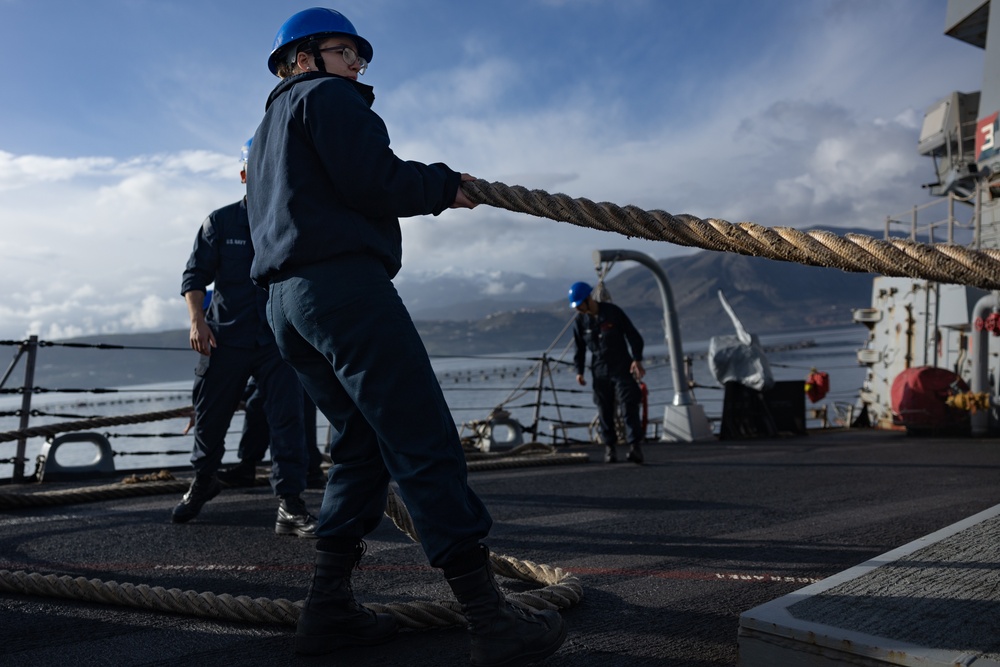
349	55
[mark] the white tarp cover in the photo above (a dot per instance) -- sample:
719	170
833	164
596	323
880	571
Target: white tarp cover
739	358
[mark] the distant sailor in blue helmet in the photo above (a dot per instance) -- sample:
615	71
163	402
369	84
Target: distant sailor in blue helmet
325	193
615	367
236	344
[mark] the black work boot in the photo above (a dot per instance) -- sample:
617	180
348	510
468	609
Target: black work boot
294	518
502	634
203	488
609	454
635	454
331	618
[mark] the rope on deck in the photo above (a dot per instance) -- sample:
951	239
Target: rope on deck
852	252
223	607
90	494
560	589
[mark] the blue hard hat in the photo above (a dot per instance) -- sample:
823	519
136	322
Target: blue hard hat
208	300
245	153
311	23
578	293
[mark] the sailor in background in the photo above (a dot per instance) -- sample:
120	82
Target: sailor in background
605	330
236	344
325	195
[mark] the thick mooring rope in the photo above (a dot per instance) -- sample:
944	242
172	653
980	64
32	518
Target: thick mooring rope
50	430
852	252
560	589
152	598
53	498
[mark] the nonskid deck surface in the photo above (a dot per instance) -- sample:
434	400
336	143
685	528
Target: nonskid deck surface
933	602
669	554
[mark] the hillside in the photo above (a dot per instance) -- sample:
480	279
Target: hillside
768	296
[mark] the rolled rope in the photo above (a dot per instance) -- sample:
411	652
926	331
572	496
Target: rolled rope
152	598
560	590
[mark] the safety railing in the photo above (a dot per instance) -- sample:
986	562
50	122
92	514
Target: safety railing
499	400
959	222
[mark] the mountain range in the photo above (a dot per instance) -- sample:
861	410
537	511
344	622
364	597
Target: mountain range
455	317
767	295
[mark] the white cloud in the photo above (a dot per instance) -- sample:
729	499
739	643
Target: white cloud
27	170
497	287
463	90
102	249
154	313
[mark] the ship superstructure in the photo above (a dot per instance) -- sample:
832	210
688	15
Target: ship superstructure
914	323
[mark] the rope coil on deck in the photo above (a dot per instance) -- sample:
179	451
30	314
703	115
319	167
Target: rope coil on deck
853	252
560	590
223	607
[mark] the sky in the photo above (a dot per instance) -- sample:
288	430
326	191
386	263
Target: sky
121	125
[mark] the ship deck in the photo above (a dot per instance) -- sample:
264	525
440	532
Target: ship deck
670	555
933	602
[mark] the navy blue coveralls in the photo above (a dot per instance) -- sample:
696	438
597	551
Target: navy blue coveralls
609	337
325	193
256	436
223	254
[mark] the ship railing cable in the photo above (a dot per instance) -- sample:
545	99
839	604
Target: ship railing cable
447	378
89	390
111	346
84	422
109	435
856	253
509	404
542	371
808	368
91	422
545	373
96	346
465	389
58	415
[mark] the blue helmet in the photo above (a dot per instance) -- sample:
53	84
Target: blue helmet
207	300
312	23
578	293
245	153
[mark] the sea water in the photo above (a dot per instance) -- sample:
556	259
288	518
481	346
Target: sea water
473	385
